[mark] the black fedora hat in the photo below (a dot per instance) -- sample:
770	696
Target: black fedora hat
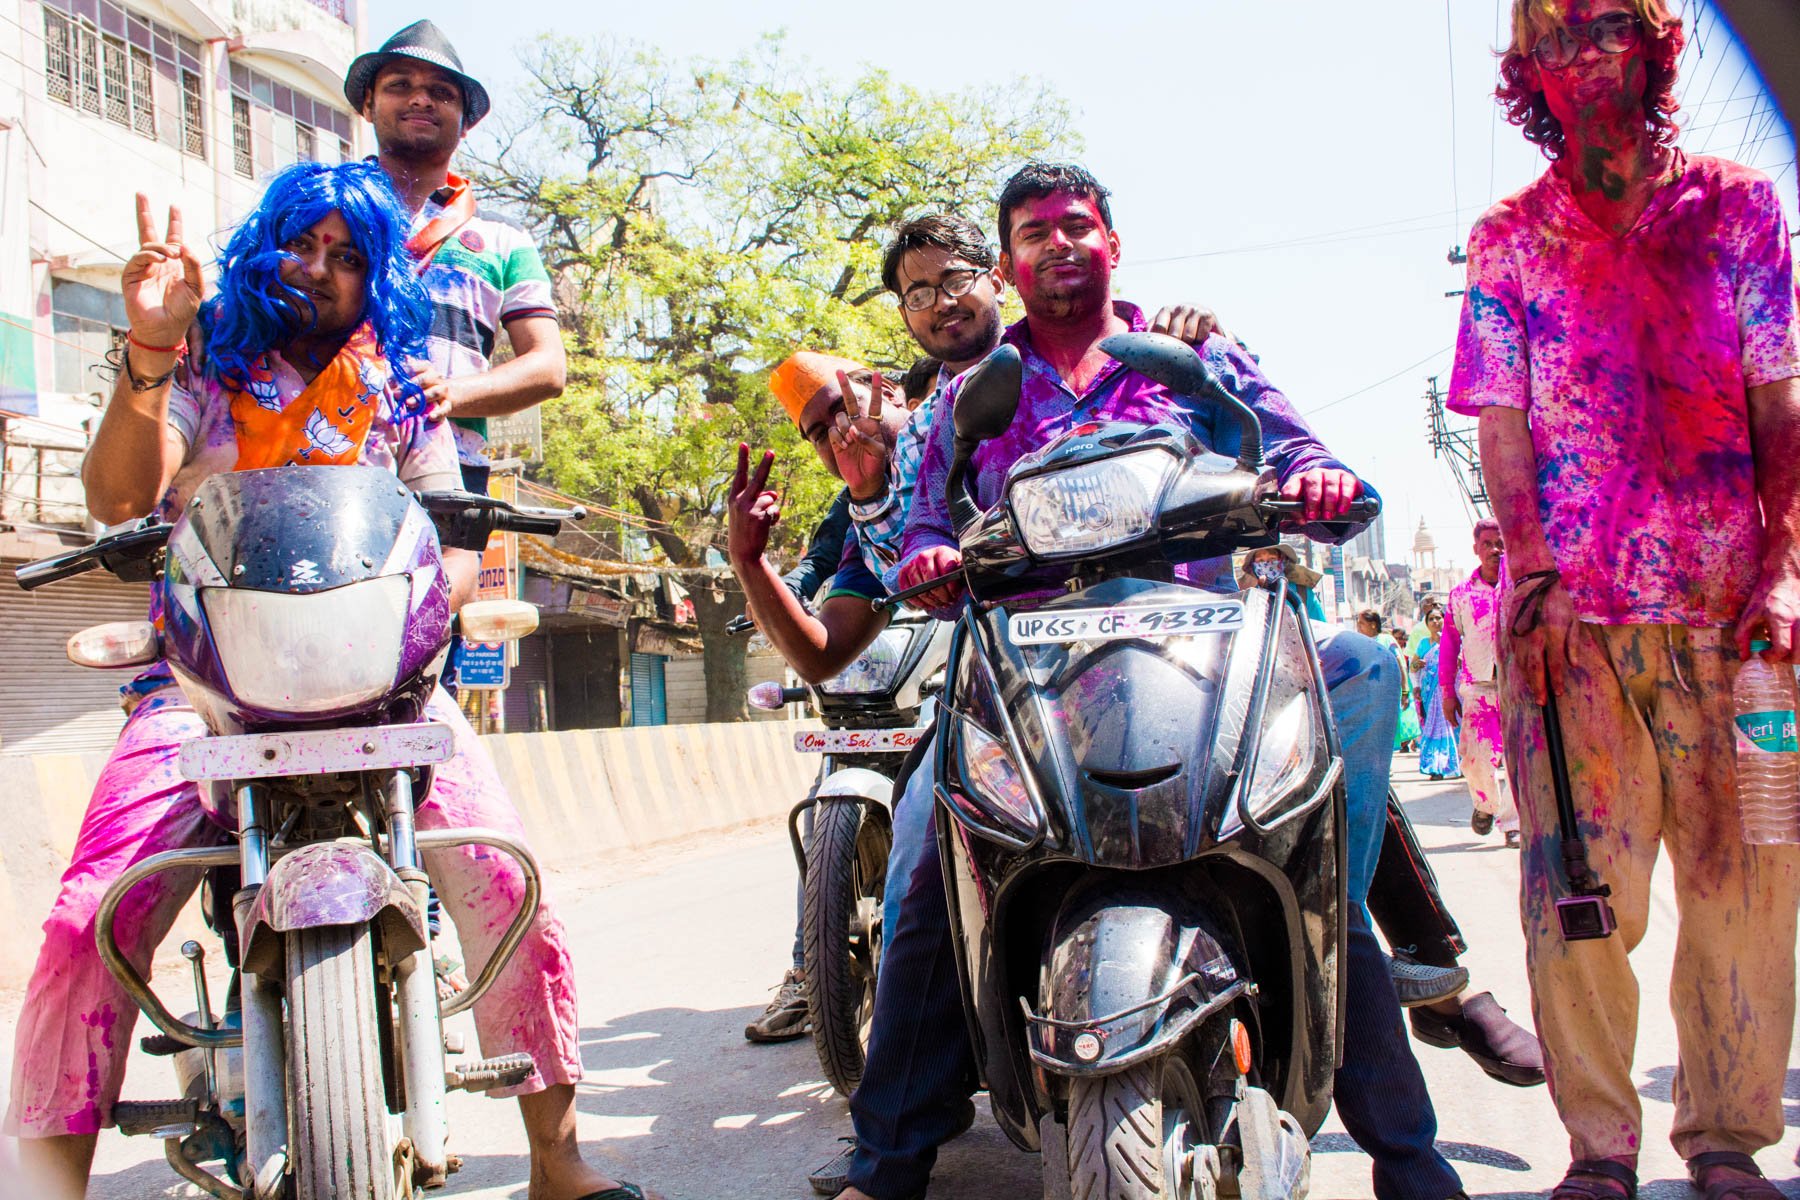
425	42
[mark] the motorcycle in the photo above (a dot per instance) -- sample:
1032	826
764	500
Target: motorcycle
875	712
305	614
1140	805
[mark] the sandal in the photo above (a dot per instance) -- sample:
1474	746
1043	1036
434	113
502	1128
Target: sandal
1735	1188
625	1191
1598	1179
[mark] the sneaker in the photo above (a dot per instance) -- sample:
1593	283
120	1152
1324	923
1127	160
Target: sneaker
1417	983
1481	823
1501	1047
785	1019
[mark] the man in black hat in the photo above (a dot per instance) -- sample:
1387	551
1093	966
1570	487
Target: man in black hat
484	273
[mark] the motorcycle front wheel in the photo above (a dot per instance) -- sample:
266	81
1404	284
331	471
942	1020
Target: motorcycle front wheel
1140	1135
341	1135
846	875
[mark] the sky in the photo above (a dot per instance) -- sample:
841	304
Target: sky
1303	176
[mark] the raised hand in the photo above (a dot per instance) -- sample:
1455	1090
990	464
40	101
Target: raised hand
857	443
162	282
751	511
1192	323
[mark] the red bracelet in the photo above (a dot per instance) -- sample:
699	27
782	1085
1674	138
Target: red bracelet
179	348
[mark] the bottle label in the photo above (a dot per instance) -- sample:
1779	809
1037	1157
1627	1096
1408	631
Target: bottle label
1770	732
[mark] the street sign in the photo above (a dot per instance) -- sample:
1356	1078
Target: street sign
481	665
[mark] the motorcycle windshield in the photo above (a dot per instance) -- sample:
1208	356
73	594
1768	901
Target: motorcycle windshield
1132	729
299	529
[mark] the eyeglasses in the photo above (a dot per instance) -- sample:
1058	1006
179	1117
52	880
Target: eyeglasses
955	284
1615	33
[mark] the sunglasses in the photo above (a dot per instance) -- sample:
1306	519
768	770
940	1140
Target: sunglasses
1615	33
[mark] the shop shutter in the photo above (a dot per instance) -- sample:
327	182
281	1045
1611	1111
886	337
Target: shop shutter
649	702
527	695
48	704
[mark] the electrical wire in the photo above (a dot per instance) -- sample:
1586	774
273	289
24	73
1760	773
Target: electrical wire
1422	223
1386	379
1450	54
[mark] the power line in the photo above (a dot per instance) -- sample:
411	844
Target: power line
1388	379
1351	234
78	233
1450	54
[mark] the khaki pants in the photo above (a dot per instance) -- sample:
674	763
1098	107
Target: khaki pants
1647	724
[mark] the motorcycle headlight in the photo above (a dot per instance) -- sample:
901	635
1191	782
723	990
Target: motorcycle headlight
310	653
875	669
997	783
1089	507
1284	758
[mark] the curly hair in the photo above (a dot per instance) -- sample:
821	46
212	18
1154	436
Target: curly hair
255	312
1035	180
1525	105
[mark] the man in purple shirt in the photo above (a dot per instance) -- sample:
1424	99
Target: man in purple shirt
1058	250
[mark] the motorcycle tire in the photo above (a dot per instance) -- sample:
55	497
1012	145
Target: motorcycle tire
1139	1134
341	1134
846	875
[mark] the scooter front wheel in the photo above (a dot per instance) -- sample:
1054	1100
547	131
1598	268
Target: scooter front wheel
846	874
1140	1135
342	1133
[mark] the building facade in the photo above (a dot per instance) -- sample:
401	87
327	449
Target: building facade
193	103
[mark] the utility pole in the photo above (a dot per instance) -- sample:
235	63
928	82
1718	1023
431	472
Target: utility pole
1460	445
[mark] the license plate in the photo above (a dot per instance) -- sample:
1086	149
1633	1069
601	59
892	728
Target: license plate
856	741
316	751
1113	624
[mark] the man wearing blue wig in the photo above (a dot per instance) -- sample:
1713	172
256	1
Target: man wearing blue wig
309	346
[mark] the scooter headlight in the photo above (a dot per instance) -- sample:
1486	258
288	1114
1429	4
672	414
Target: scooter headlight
1284	758
1090	506
997	784
876	668
310	653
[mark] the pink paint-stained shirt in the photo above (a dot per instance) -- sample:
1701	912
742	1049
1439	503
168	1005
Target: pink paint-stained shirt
1632	356
1470	648
422	453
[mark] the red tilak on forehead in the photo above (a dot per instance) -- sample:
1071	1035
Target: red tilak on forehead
326	238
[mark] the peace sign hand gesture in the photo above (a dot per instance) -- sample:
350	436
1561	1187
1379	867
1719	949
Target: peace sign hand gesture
857	442
162	282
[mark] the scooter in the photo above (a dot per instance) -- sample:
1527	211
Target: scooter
876	712
305	614
1140	805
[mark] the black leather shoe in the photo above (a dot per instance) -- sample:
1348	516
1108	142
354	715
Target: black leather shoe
1500	1046
1481	824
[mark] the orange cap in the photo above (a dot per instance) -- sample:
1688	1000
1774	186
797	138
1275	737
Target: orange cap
804	374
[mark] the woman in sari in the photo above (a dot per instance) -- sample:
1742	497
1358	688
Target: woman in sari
1437	737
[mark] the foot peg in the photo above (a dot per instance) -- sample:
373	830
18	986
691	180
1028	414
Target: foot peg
158	1118
509	1070
161	1045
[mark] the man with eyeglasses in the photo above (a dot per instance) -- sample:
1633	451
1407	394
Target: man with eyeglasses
1630	344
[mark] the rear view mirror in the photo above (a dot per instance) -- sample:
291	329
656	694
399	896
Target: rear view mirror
989	396
1175	364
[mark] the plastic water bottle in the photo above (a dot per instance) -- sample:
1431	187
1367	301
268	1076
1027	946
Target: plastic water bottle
1768	755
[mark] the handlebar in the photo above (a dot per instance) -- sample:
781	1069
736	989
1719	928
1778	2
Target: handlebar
465	520
131	554
896	599
1363	508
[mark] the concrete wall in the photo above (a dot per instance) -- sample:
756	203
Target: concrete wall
581	793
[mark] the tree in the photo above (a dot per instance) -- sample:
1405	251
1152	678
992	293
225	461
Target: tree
702	223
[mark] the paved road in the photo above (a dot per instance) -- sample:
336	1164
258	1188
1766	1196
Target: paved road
677	951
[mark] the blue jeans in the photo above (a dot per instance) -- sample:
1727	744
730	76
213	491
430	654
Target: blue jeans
920	1068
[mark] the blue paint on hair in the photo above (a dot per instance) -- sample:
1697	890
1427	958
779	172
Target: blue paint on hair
253	311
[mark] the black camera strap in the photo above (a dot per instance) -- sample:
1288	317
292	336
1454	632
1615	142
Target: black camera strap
1582	881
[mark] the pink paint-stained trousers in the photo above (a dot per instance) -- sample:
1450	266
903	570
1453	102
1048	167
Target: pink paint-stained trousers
1647	726
1482	748
75	1030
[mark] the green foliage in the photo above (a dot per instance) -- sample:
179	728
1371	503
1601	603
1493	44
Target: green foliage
703	221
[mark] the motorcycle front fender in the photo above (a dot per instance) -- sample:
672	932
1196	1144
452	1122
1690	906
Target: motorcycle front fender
858	783
330	883
1127	975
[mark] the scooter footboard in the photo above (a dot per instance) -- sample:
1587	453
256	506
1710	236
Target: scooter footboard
1129	975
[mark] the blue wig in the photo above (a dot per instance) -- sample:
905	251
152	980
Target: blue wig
255	312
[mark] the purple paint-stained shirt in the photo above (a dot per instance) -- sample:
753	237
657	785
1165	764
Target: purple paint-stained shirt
1633	356
1048	407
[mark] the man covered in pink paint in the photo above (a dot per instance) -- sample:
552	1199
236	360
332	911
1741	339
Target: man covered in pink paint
1630	344
334	237
1468	663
